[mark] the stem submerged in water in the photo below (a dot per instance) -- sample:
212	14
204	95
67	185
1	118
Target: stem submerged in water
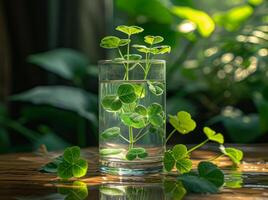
131	140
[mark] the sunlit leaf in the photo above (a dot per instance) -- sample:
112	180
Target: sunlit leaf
126	93
65	170
124	42
232	19
149	39
184	165
77	191
179	151
234	154
139	90
133	57
205	25
183	122
110	42
140	109
111	103
156	88
110	133
212	135
133	119
141	48
255	2
79	168
71	154
160	49
129	30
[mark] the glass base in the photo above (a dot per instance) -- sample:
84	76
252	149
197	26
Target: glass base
137	168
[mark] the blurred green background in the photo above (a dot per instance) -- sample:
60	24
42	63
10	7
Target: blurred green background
217	70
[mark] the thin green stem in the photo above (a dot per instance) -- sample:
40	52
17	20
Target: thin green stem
170	135
124	138
131	140
128	47
140	131
141	136
197	146
216	157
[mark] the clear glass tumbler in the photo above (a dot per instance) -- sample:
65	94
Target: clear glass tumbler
132	115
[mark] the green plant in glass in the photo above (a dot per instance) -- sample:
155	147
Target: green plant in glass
132	104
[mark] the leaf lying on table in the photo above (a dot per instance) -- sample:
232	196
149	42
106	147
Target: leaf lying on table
234	154
69	165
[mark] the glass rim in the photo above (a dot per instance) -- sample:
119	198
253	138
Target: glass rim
153	61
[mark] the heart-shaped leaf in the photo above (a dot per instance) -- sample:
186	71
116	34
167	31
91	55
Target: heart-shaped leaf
65	170
111	103
110	42
234	154
149	39
124	42
71	154
110	133
126	93
129	30
183	122
140	109
136	152
184	165
133	119
132	57
212	135
154	108
79	168
141	48
156	88
179	151
211	172
154	114
161	49
169	161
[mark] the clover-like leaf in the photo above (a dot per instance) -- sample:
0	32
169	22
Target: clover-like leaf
179	151
156	88
132	57
71	154
79	168
133	119
169	161
65	170
174	189
184	165
110	133
136	152
129	30
154	114
110	151
111	103
141	48
211	172
124	42
110	42
140	109
212	135
183	122
161	49
149	39
154	108
126	93
139	91
234	154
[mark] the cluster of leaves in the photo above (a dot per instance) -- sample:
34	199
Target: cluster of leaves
69	165
179	155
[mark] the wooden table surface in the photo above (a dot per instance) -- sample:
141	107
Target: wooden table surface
21	180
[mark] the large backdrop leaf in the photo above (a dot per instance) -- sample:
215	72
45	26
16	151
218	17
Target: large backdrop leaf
64	97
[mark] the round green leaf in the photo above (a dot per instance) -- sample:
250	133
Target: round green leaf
179	151
65	170
184	165
131	156
137	151
129	30
140	109
161	49
143	155
234	154
79	168
110	133
126	93
132	57
149	39
211	135
156	120
133	119
154	109
169	161
71	154
139	91
111	103
156	88
110	151
211	172
124	42
110	42
141	48
183	122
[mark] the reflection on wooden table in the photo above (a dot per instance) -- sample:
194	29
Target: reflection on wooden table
19	179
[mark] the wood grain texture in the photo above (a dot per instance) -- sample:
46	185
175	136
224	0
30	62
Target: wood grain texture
20	178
